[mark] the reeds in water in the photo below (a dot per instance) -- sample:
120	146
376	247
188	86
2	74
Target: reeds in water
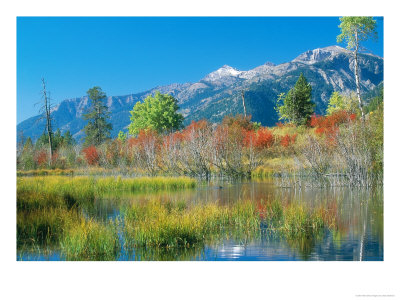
36	192
158	224
91	240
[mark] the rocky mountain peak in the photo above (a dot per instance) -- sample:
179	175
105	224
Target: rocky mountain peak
269	64
319	54
221	73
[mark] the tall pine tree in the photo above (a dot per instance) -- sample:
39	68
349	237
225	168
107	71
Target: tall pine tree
297	106
98	129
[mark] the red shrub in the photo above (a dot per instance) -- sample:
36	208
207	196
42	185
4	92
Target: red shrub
329	125
315	120
249	138
265	138
288	140
320	130
91	155
261	139
338	118
41	157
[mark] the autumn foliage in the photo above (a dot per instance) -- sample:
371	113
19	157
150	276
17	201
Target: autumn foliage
288	140
334	120
41	158
91	155
329	125
263	138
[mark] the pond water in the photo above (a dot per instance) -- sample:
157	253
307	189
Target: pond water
359	235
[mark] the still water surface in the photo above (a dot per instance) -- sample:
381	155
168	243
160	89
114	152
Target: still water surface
359	214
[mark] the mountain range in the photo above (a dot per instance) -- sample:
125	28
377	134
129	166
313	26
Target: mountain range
218	94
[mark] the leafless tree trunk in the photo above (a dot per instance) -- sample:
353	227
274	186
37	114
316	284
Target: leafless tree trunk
172	155
196	151
48	119
146	154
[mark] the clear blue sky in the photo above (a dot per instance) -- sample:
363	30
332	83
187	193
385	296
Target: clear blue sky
128	55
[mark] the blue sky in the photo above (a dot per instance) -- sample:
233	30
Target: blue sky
128	55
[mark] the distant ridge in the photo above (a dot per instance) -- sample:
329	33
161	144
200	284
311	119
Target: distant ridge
328	69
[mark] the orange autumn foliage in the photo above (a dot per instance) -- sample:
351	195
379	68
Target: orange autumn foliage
263	138
91	155
288	140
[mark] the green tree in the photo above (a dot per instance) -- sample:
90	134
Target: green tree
296	106
375	102
68	140
57	139
339	102
355	30
28	146
41	141
98	129
122	136
158	112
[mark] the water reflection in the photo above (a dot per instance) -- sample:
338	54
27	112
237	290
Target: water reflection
358	217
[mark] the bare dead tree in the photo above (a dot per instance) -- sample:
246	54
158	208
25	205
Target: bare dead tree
197	150
172	155
147	153
46	111
317	156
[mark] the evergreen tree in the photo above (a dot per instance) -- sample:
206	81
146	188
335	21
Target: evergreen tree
57	139
297	106
98	129
28	146
68	140
42	141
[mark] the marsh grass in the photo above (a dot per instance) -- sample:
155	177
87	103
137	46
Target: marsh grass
44	172
68	192
44	226
51	211
87	187
91	240
160	224
169	225
145	183
295	220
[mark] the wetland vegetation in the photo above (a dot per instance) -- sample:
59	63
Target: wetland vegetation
106	219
